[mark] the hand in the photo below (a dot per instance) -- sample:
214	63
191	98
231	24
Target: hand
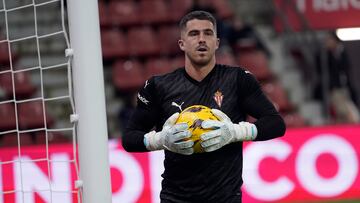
225	132
171	137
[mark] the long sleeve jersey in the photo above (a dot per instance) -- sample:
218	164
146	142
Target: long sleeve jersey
204	177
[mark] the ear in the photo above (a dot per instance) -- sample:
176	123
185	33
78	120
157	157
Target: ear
181	44
217	43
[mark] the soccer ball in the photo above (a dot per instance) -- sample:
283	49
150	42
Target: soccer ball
194	116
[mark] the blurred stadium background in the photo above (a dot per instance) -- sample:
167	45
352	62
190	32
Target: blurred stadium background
139	38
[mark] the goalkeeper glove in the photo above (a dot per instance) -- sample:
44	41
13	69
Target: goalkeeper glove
225	132
172	137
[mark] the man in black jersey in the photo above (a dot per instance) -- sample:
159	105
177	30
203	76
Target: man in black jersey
231	92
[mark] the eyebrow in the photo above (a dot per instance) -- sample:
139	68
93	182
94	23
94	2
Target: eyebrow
205	30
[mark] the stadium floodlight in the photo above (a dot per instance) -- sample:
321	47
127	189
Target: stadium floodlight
348	34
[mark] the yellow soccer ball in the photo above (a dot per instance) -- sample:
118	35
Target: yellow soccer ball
194	116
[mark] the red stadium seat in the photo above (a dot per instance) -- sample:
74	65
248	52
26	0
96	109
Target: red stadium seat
178	62
6	84
179	8
157	66
114	44
294	120
11	139
4	54
169	36
143	41
225	57
154	11
30	115
128	75
53	138
104	14
245	45
222	8
23	86
124	13
256	62
7	117
277	95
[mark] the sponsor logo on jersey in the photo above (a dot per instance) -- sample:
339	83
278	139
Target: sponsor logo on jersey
218	97
143	99
177	105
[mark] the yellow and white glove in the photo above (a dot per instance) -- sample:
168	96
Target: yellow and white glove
225	132
171	137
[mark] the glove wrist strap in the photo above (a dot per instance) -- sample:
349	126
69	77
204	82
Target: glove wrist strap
245	131
153	141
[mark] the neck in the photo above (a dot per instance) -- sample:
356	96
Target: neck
199	72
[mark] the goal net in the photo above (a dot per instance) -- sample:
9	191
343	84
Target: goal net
37	106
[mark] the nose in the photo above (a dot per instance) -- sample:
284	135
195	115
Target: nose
202	39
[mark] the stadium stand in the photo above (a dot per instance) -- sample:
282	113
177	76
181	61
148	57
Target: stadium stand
7	117
225	56
178	8
146	44
123	13
153	12
53	137
114	44
142	41
277	95
139	39
31	115
23	86
4	56
104	14
157	66
256	62
294	120
128	75
168	36
11	139
223	8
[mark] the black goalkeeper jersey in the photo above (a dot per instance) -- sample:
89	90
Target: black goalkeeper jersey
205	177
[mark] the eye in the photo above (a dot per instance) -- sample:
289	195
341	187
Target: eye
193	33
209	32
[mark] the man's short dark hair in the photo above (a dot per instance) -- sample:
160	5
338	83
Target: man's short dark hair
200	15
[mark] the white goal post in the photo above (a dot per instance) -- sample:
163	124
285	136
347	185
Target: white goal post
89	94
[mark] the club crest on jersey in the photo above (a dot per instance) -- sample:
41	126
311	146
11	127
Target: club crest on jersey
218	97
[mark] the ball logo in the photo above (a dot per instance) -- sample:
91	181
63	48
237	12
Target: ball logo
194	116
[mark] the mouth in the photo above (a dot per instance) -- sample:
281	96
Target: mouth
202	49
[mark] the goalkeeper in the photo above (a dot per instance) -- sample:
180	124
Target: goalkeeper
231	92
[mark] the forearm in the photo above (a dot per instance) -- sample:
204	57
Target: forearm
133	141
270	127
269	123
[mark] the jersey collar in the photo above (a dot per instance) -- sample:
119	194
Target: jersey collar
205	80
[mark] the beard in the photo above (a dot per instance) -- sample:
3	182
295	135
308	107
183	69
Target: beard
199	61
